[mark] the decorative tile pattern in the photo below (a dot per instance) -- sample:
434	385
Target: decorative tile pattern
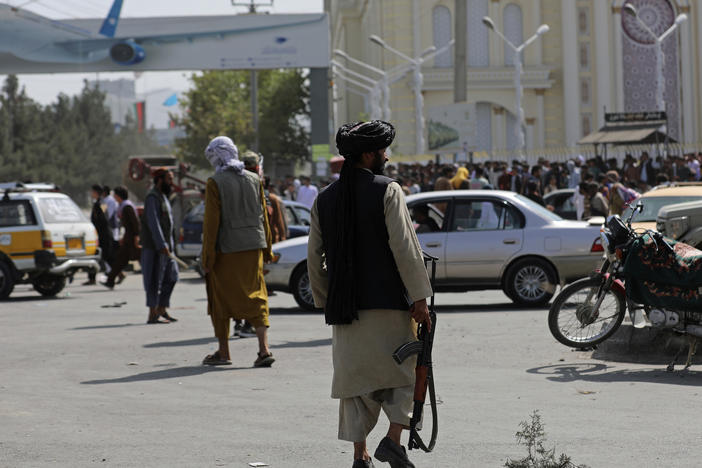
639	55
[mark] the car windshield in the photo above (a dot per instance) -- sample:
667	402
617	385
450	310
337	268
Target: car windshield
651	206
197	214
538	209
60	210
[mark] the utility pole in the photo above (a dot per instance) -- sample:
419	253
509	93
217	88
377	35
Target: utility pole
460	70
252	6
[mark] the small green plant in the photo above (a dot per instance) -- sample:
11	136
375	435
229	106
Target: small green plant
533	436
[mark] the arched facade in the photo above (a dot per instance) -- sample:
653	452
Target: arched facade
478	51
586	65
441	29
513	28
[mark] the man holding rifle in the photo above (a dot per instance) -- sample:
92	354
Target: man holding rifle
367	271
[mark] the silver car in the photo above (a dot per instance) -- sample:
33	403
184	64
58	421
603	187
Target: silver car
484	239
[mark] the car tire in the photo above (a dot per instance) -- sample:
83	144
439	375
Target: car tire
300	287
49	285
530	282
7	282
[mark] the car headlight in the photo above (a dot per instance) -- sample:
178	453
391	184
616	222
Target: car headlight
678	226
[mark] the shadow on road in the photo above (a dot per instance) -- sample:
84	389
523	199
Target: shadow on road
174	344
585	372
303	344
172	373
100	327
209	340
505	307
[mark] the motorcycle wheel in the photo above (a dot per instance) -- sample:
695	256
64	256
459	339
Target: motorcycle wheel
573	321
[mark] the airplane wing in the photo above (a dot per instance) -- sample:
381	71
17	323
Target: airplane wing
82	46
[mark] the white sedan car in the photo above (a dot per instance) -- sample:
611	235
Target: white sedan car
484	239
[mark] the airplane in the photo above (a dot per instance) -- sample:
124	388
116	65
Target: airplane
36	38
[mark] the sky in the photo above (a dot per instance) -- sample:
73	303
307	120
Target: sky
45	87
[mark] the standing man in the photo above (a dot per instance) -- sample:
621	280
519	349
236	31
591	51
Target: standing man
307	192
373	285
129	243
279	227
111	212
159	270
236	242
105	239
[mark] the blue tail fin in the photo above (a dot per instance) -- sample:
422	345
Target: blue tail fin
109	26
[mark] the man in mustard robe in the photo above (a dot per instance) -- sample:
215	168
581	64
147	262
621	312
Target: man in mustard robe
236	242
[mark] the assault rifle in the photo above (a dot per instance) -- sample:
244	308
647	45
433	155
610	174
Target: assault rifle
424	370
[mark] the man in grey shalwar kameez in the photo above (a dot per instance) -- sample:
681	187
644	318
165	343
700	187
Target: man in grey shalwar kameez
367	271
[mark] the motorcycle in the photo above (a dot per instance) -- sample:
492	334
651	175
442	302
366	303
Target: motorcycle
658	280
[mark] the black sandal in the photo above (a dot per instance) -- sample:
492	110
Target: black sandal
264	360
215	359
168	317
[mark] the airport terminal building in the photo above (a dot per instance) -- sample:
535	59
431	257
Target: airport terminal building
595	57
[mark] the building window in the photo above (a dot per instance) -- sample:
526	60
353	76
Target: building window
585	92
586	124
442	36
478	45
583	22
483	114
513	28
584	55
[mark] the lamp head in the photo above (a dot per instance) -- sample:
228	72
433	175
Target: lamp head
377	40
630	9
340	53
680	19
543	29
488	22
428	51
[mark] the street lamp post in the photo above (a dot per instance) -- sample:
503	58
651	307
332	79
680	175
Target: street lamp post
368	95
518	70
370	86
416	63
660	56
384	80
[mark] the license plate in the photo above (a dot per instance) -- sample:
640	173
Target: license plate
75	243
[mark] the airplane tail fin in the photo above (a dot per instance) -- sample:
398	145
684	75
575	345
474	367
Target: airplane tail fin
109	26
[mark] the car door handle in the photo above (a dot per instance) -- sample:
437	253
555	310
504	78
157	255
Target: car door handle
433	245
509	241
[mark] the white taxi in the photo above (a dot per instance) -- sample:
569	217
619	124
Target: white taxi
44	239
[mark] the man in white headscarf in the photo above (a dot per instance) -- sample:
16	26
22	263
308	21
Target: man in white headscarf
236	242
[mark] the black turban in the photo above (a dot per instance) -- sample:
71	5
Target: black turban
363	137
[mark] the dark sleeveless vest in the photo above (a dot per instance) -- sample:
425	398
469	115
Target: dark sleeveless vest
378	282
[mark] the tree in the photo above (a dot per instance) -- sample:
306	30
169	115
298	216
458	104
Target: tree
219	103
71	142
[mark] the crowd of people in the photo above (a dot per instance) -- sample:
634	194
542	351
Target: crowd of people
600	186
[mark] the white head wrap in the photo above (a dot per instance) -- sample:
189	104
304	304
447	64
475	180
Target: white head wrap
224	155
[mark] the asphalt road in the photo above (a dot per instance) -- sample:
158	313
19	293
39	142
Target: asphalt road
87	385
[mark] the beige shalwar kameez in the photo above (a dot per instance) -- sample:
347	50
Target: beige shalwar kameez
366	378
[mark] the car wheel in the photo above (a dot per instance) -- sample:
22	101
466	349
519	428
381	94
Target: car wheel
530	282
49	285
7	283
301	288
